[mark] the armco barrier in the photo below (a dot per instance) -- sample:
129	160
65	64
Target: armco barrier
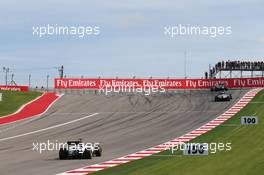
162	147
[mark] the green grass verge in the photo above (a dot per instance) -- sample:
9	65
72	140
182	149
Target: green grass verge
245	158
13	100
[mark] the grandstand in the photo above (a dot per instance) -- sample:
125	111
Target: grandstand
236	69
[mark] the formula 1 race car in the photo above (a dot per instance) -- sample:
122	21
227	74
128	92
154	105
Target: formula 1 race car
78	149
223	97
219	87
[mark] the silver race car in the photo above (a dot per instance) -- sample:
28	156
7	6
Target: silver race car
222	96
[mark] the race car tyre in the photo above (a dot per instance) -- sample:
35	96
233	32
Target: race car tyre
216	99
98	153
63	154
87	154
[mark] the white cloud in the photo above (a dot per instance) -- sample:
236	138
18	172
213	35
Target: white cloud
260	40
132	21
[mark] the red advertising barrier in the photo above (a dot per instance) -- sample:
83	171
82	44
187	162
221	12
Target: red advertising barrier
95	83
14	88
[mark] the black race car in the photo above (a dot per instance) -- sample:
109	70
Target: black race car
78	149
219	87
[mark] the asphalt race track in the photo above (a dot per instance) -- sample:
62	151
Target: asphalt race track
123	124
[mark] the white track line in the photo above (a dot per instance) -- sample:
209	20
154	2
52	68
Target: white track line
48	128
165	146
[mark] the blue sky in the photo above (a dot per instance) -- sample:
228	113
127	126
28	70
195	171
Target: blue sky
132	40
